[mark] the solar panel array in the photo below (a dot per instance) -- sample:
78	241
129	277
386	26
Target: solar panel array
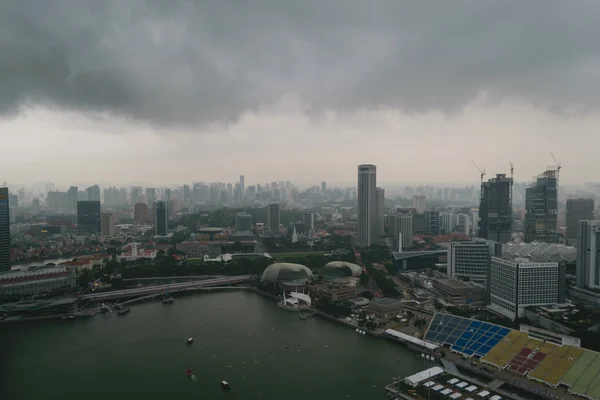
466	336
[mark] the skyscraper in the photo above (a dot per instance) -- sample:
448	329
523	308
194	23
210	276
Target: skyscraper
541	208
93	193
72	197
588	255
401	231
162	221
578	209
108	224
432	223
150	195
273	218
367	205
4	230
167	196
88	216
495	209
323	187
140	213
418	203
380	200
309	221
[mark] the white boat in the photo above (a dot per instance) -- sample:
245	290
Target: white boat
190	340
224	385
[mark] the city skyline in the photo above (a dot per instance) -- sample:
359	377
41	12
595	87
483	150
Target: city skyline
84	107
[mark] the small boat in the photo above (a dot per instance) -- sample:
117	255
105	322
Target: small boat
167	299
190	340
71	317
123	311
224	385
189	373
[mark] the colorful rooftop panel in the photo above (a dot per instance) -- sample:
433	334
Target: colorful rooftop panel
506	349
558	360
584	376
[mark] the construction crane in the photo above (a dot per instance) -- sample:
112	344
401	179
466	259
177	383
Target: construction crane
479	169
558	165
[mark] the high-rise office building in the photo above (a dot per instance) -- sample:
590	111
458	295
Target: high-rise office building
273	220
515	285
380	200
167	196
108	224
541	208
242	190
447	221
93	193
367	205
588	255
309	221
579	209
72	197
472	260
4	230
162	219
401	231
495	209
432	223
136	191
323	187
418	203
150	195
140	213
243	222
88	216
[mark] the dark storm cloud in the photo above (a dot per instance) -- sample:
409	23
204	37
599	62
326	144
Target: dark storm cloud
184	62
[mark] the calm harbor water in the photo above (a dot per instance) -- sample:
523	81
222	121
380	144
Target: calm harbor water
262	351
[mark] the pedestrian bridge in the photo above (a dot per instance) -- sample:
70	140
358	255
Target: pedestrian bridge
172	288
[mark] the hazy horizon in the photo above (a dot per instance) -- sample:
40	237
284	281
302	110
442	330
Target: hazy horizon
145	91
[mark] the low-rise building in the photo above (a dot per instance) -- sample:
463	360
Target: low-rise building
460	293
337	290
384	307
37	280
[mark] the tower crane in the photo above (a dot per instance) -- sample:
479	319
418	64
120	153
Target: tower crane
558	165
479	169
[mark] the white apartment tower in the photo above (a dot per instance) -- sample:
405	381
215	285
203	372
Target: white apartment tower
588	255
418	202
367	205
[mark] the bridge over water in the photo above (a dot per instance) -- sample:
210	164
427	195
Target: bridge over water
172	288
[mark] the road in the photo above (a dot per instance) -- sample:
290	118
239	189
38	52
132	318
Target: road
174	287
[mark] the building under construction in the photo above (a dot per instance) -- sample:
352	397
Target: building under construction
495	209
541	208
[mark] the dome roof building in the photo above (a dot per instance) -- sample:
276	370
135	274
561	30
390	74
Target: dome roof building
286	272
337	269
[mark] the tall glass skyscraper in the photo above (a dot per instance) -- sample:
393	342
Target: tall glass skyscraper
4	231
367	205
541	208
88	216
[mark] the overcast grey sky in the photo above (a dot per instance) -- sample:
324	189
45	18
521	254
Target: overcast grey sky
180	91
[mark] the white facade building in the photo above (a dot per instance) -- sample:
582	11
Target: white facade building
469	260
515	285
588	255
447	221
418	202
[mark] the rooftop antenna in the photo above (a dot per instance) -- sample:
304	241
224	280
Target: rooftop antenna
512	167
479	169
